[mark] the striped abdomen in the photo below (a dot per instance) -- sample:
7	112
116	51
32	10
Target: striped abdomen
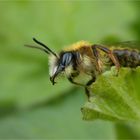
128	58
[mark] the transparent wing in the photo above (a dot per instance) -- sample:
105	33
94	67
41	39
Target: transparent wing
126	44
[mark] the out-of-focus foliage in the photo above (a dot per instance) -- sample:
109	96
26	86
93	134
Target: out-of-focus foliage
30	107
136	23
115	97
59	119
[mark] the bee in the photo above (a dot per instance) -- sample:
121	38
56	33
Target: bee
87	60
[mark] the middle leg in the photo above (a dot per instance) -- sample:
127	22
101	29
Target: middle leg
110	54
87	85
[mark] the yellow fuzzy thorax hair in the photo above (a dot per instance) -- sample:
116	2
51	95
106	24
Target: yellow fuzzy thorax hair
77	45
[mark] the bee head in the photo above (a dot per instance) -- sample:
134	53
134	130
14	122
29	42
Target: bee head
57	63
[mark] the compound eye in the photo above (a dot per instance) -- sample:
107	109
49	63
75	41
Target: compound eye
66	59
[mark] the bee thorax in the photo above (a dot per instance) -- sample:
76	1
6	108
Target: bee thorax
87	65
69	70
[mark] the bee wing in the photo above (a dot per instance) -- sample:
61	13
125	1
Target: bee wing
125	44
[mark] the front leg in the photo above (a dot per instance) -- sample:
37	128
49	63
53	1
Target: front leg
71	79
87	85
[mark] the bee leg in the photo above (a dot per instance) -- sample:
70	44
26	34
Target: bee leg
71	79
110	54
87	85
99	63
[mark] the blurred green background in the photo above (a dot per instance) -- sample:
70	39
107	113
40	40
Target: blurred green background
30	107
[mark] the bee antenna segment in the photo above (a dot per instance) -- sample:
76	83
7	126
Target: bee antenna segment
36	47
46	47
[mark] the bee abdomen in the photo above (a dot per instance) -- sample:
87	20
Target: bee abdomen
128	58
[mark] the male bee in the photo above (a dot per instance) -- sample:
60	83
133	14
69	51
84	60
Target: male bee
87	60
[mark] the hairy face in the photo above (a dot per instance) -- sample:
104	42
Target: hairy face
58	65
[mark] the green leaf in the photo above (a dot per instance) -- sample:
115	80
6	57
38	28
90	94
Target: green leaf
115	97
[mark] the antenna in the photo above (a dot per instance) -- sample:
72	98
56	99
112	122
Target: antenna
36	47
49	51
45	48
